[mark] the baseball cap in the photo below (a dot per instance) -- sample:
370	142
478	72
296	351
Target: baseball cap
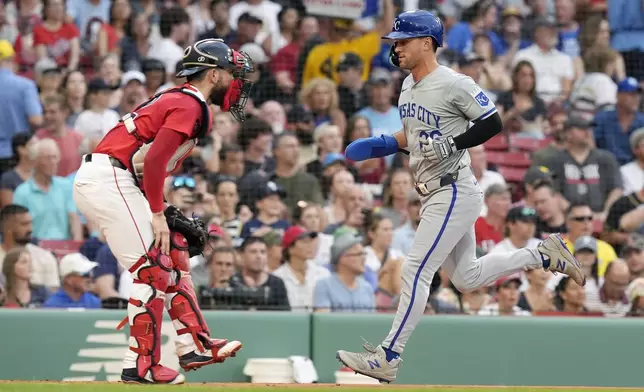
575	121
132	75
523	214
536	173
269	189
96	85
341	244
636	243
380	76
75	263
255	52
511	11
6	50
349	60
469	58
586	242
295	233
629	85
215	231
332	158
45	65
506	281
248	17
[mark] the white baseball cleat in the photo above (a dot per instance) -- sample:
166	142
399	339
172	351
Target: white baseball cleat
561	260
372	363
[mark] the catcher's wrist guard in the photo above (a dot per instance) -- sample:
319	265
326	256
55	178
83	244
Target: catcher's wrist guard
193	230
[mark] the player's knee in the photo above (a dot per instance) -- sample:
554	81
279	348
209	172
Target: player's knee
157	272
461	284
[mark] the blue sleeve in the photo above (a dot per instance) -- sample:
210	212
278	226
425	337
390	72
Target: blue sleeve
32	101
107	264
321	298
51	302
371	277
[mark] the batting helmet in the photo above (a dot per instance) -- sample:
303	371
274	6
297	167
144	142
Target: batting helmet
417	24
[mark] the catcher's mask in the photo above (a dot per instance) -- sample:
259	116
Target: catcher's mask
214	53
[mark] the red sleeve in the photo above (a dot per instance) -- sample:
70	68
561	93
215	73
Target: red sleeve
183	114
40	36
155	163
70	31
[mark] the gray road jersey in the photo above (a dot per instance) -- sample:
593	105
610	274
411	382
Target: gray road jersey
442	103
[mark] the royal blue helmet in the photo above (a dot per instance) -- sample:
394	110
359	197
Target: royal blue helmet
417	24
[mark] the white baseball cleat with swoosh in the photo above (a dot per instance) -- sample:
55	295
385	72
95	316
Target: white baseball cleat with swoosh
372	363
554	249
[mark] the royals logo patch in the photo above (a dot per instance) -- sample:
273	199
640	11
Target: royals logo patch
482	99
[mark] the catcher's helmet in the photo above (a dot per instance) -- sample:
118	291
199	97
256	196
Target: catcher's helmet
213	53
417	24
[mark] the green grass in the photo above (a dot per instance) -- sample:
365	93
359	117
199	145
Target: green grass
115	387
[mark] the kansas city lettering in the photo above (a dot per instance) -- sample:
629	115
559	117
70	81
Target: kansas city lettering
411	109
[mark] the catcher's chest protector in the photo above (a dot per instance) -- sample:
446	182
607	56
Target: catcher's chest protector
201	130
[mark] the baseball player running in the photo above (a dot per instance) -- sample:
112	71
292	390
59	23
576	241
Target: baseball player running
436	105
128	207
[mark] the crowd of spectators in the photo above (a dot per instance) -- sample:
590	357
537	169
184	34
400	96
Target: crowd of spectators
294	225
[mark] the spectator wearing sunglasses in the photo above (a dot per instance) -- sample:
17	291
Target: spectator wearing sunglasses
579	221
269	210
75	273
182	193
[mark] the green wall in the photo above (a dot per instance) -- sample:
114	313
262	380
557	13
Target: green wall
83	345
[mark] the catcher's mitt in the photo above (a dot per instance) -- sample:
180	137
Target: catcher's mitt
194	230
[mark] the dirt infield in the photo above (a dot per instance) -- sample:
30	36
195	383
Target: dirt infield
103	386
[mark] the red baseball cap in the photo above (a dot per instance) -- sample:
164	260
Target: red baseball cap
295	233
501	282
215	231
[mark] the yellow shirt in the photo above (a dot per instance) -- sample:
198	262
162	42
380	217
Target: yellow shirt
323	59
605	254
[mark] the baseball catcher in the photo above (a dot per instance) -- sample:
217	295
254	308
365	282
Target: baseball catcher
119	188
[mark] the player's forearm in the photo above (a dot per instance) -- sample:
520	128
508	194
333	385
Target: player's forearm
155	164
479	133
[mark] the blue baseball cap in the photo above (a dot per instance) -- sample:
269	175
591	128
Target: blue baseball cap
332	158
629	85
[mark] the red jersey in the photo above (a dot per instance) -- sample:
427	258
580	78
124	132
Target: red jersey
58	43
486	235
174	110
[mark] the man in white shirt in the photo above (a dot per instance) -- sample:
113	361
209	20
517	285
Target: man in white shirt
507	298
520	226
265	10
174	25
554	70
300	273
633	172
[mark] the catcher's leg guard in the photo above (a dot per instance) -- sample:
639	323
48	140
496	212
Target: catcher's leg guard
195	347
152	275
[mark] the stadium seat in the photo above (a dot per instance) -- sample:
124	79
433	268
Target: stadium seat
512	174
528	144
61	248
497	143
514	159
